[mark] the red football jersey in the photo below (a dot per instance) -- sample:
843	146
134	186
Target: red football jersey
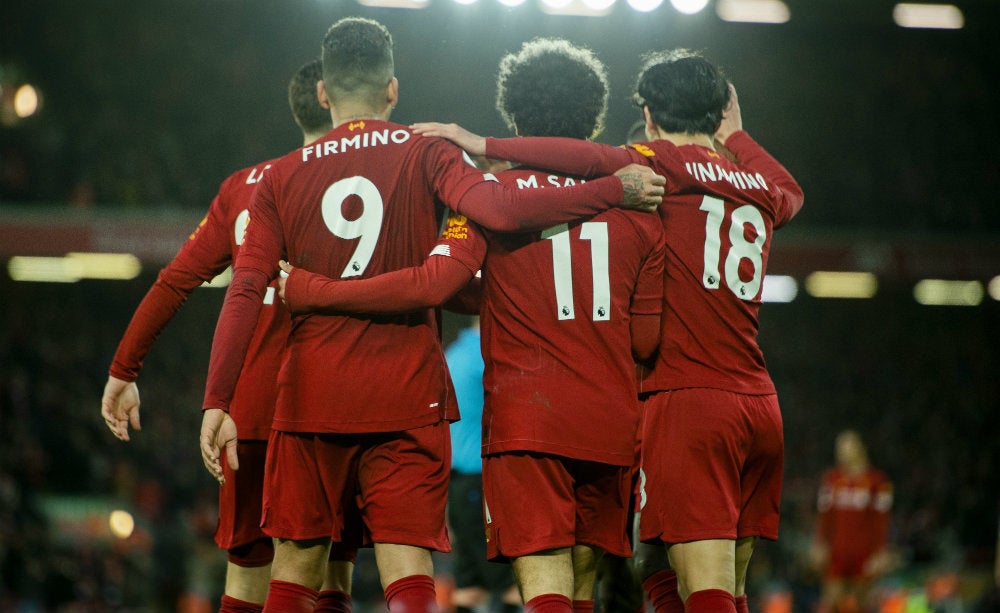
210	249
363	200
854	513
559	375
719	217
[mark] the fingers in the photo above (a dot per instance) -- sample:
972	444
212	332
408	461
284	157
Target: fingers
231	457
118	427
285	267
433	128
210	457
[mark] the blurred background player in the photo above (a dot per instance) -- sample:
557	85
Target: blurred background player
565	313
480	585
851	545
361	423
211	248
712	440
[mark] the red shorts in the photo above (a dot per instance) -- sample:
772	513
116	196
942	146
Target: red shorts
388	487
534	502
240	498
712	465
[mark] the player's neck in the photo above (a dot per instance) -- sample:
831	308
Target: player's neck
350	114
684	138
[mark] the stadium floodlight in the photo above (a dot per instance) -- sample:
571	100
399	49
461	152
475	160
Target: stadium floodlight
464	1
396	4
599	5
779	288
931	16
689	7
511	3
828	284
644	6
578	8
940	292
753	11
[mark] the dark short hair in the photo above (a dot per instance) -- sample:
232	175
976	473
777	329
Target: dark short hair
684	91
357	60
302	98
553	88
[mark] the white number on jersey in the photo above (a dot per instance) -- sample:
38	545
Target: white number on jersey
366	227
740	248
562	268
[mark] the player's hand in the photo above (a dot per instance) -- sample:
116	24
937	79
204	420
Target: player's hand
218	436
286	269
643	187
120	407
732	118
472	143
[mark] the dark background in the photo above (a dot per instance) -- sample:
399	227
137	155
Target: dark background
148	105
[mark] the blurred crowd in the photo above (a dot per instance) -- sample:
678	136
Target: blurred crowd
918	382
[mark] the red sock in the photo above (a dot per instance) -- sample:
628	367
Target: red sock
235	605
741	604
413	594
583	606
333	601
710	601
661	589
287	597
548	603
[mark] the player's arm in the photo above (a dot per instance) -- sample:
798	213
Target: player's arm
565	155
456	257
401	291
647	299
204	255
496	207
785	191
254	268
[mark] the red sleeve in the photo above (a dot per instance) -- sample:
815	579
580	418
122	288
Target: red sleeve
399	291
502	209
256	265
787	193
647	300
468	299
233	333
205	254
567	155
494	206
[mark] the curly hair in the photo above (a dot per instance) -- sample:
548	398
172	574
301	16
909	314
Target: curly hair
357	60
308	112
685	93
553	88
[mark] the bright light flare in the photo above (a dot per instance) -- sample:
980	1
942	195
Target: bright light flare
753	11
26	101
994	288
645	6
689	7
826	284
931	16
779	288
940	292
122	523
